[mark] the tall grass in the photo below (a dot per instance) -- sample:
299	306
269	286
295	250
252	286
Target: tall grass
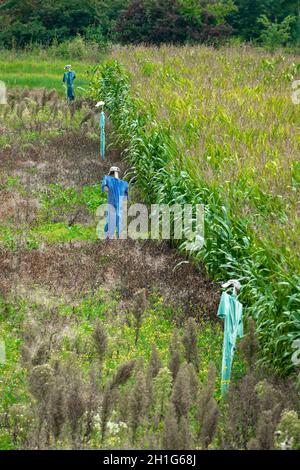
42	67
219	128
27	71
231	115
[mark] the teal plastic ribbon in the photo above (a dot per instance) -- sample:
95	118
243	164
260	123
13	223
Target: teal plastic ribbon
102	135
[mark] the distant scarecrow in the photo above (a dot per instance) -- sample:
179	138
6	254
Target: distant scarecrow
69	77
118	193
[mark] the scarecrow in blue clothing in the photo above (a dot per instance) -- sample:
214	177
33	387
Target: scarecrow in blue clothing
68	79
231	310
118	193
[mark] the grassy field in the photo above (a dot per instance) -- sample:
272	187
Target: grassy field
219	127
40	69
111	345
71	287
232	117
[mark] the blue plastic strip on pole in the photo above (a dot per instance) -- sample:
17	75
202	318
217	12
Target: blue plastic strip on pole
102	135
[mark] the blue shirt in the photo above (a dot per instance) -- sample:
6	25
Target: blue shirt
117	190
69	77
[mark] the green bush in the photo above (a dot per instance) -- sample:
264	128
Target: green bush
274	34
78	48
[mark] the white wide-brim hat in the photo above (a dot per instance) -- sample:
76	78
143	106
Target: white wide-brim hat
99	104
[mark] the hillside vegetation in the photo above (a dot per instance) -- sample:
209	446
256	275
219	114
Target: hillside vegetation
273	23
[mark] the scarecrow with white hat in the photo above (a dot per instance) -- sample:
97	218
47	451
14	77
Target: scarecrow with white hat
118	193
231	310
69	77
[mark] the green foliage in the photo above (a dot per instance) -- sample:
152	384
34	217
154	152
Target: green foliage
101	22
91	48
40	22
173	21
275	35
220	9
288	432
245	19
55	197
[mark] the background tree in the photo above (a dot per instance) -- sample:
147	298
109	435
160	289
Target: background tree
275	34
170	21
245	19
136	21
37	21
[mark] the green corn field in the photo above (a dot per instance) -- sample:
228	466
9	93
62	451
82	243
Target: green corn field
219	127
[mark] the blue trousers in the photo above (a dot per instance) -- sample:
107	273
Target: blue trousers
113	222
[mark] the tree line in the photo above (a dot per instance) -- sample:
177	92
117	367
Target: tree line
23	22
